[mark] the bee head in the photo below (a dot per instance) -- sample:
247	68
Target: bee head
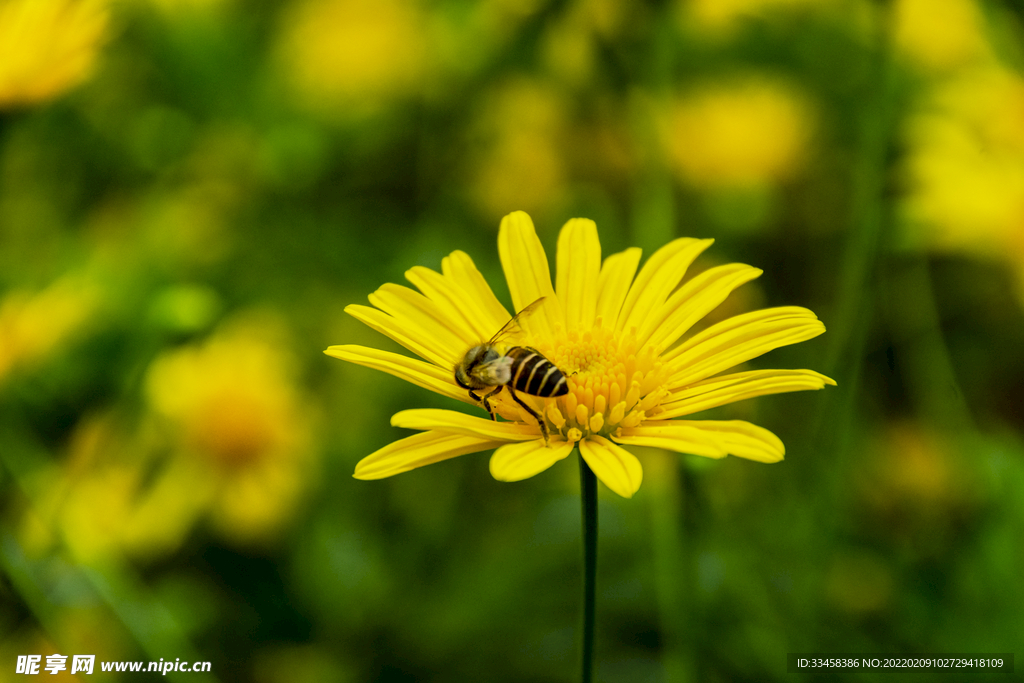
461	378
464	371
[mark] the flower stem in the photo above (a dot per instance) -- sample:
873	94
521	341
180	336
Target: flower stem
588	494
871	216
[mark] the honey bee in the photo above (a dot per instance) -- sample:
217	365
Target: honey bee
491	366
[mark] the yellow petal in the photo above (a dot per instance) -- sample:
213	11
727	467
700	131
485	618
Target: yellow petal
613	284
417	339
459	267
579	265
657	279
410	308
738	339
454	422
418	450
455	303
718	391
692	302
615	466
742	439
671	435
411	370
518	461
528	274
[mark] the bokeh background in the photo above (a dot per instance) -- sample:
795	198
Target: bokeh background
192	190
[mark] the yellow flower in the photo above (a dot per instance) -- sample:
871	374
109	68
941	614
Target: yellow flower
238	416
114	494
722	15
965	167
940	34
184	8
34	325
345	53
614	336
739	135
47	47
520	129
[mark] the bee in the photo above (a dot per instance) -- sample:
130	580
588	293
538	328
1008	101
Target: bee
488	367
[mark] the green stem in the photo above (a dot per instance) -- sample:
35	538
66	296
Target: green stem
921	348
588	494
877	121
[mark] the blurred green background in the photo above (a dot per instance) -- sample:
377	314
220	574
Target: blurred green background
192	190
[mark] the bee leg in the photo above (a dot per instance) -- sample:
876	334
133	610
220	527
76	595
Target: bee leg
487	404
531	411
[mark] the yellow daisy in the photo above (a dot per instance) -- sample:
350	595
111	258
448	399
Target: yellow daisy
615	333
48	47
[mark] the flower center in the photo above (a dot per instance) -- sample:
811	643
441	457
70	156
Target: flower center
612	383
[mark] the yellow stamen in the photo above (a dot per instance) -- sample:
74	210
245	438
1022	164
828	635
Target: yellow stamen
555	416
633	419
612	382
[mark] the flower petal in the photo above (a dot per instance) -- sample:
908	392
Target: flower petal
419	450
518	461
718	391
615	466
671	435
454	422
459	267
418	339
418	372
742	439
691	302
657	279
579	266
738	339
528	274
613	285
409	307
455	303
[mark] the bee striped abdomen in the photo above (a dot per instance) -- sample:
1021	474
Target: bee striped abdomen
535	375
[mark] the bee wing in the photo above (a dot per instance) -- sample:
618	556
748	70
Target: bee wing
494	373
514	325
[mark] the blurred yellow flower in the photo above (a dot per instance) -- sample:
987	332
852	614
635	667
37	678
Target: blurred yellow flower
917	467
237	452
569	49
520	161
47	47
570	43
740	134
965	166
32	325
113	509
341	54
237	413
187	7
105	500
912	476
616	338
940	34
724	14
